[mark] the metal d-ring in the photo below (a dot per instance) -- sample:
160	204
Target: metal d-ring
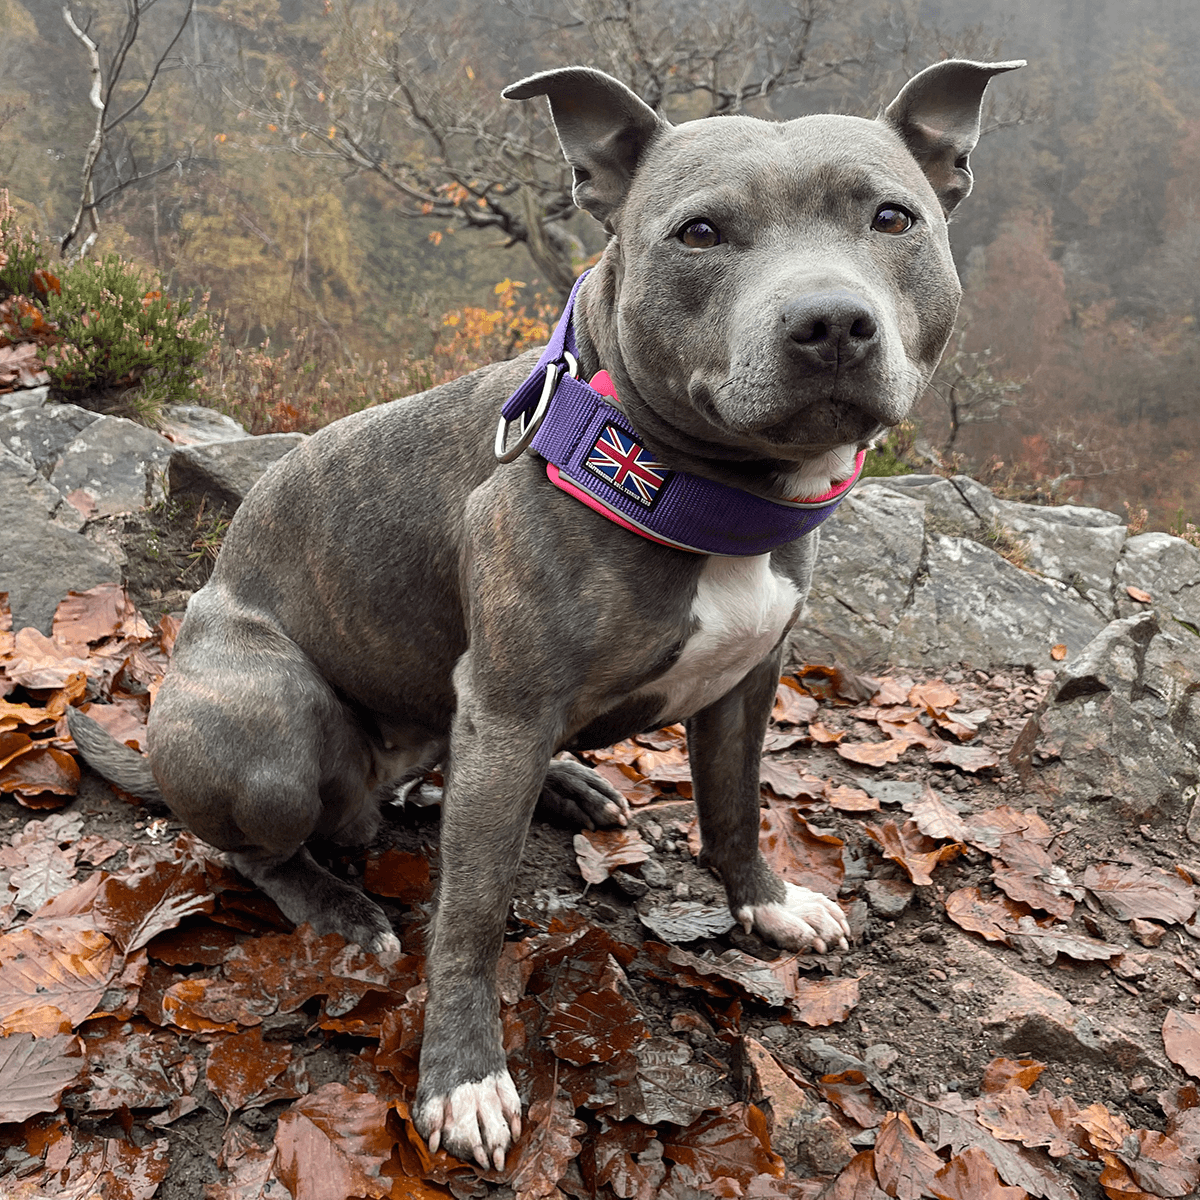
531	423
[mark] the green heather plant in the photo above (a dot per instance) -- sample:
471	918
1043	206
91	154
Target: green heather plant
100	324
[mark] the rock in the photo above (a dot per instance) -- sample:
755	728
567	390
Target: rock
1168	568
889	897
923	571
24	398
41	433
195	425
117	462
1121	724
226	471
42	556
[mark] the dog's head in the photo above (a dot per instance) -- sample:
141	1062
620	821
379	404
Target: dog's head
773	291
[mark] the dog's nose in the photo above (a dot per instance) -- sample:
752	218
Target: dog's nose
830	329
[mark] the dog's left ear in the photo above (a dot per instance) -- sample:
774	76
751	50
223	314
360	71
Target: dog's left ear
603	129
937	115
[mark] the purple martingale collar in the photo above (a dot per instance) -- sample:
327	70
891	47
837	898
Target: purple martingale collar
593	453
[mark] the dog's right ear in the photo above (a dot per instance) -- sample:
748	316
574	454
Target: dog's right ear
603	129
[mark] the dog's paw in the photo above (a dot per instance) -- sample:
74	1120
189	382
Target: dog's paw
474	1121
804	920
359	919
579	796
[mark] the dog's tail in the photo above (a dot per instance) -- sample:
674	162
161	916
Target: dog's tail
118	763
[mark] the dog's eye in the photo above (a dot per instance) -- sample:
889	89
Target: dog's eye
699	235
891	218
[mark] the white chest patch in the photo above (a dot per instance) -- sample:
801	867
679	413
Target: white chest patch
742	608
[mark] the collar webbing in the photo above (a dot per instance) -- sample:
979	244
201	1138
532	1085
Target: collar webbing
593	453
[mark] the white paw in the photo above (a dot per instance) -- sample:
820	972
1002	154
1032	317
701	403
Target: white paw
383	943
475	1120
804	920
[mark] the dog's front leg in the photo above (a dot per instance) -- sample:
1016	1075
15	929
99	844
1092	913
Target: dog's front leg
725	745
466	1100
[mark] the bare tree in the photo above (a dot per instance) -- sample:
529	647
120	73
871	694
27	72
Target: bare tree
382	97
123	169
968	384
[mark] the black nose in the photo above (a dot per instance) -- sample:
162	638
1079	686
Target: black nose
830	329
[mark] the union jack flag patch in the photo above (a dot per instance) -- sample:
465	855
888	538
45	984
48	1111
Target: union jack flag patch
619	460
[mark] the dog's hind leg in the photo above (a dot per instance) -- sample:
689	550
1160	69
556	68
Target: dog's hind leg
725	745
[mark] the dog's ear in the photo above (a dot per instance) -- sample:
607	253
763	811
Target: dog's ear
937	115
603	129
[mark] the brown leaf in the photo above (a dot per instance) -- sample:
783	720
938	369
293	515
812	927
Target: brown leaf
997	918
241	1066
819	1002
1141	891
332	1143
1138	594
399	874
47	871
934	694
117	1169
1016	1115
599	852
191	945
857	1180
915	852
851	799
1047	944
41	662
34	1072
965	758
44	770
135	906
133	1066
823	735
248	1166
1181	1036
52	976
936	819
551	1143
687	920
905	1165
850	1092
85	618
125	718
874	754
971	1176
596	1026
1003	1073
619	1160
1158	1164
733	1144
798	852
793	705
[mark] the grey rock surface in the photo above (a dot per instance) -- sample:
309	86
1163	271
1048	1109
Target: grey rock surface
195	425
1121	725
41	433
226	471
24	398
117	462
911	573
42	556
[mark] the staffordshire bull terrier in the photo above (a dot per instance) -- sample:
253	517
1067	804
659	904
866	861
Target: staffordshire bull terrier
408	589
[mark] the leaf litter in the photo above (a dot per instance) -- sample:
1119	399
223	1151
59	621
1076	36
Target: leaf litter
146	994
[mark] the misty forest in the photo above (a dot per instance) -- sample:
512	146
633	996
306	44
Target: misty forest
366	216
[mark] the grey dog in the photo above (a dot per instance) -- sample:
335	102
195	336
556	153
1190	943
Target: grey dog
389	597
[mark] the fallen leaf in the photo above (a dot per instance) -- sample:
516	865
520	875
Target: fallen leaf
52	976
595	1027
1136	593
933	694
857	1180
38	662
599	852
874	754
132	1066
332	1143
793	705
104	611
1058	651
1047	944
44	770
971	1176
996	918
687	920
241	1066
34	1072
936	819
135	906
733	1144
851	799
1181	1036
1141	891
543	1154
824	736
965	758
915	852
798	852
399	874
621	1159
1003	1073
906	1167
819	1002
